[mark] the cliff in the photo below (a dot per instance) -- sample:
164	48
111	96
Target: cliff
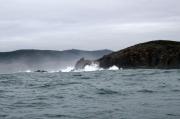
153	54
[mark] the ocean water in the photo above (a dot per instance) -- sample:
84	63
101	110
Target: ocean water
121	94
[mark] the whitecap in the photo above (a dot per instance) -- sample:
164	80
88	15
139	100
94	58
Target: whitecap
114	68
67	69
88	68
28	71
92	67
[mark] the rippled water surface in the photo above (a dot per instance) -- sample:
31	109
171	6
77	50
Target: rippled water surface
126	94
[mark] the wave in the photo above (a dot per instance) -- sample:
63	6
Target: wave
87	68
146	91
114	68
26	71
68	69
103	91
92	67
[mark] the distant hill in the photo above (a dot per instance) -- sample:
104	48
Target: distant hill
153	54
21	60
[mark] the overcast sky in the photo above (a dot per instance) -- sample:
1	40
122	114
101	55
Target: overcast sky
86	24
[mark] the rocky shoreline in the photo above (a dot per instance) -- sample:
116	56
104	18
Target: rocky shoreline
159	54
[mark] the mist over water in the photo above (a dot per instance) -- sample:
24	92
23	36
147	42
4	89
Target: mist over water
102	94
49	60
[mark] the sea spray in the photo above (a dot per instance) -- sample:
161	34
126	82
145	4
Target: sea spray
28	71
92	67
113	68
68	69
89	68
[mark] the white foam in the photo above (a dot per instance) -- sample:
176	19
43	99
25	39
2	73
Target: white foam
53	71
68	69
28	71
88	68
92	67
113	68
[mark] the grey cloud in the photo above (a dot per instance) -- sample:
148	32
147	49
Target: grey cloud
86	24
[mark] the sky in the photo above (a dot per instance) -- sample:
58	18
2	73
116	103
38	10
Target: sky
86	24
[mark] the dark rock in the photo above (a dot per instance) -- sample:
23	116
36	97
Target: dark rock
41	71
153	54
82	63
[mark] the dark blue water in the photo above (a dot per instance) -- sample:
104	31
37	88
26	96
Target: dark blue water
126	94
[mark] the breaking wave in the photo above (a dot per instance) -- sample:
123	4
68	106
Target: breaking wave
68	69
92	67
113	68
88	68
28	71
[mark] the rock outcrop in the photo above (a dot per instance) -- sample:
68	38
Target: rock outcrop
82	63
153	54
41	71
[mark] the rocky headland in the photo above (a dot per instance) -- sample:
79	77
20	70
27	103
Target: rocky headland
161	54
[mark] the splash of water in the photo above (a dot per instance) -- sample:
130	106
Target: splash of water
88	68
113	68
28	71
92	67
68	69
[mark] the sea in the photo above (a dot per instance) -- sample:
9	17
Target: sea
97	94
